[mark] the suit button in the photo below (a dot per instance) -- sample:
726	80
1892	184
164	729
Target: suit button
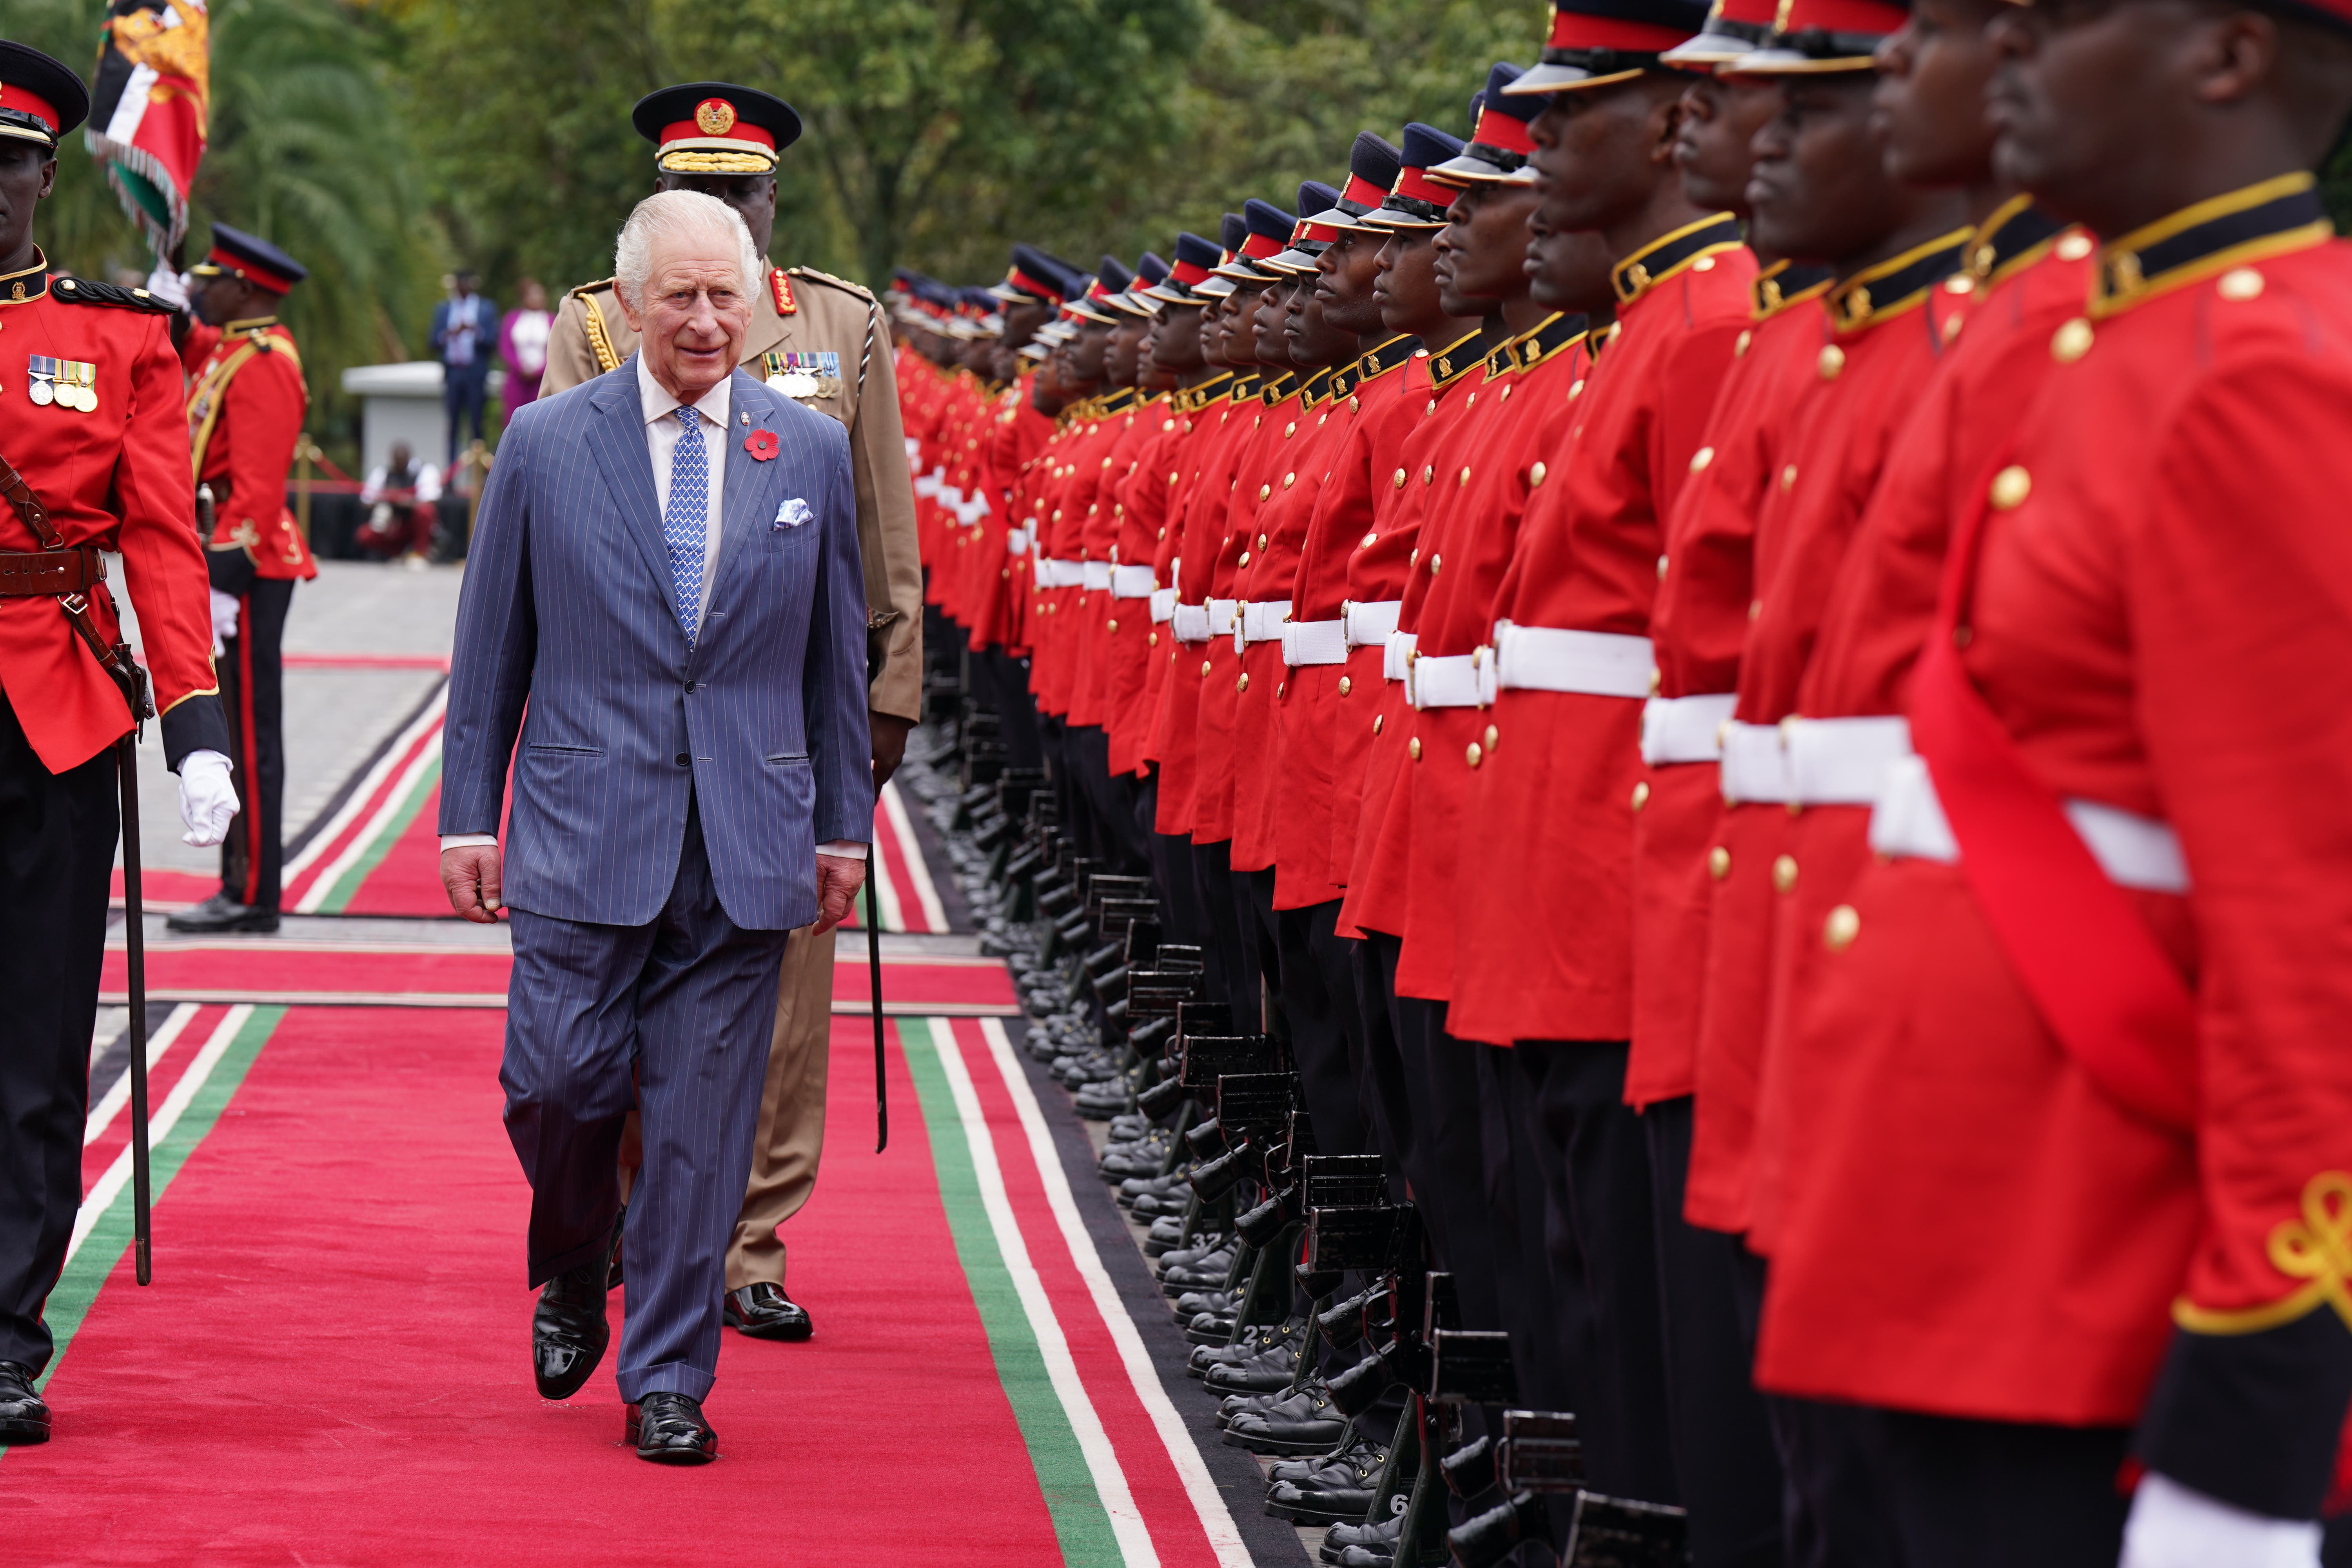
684	760
689	687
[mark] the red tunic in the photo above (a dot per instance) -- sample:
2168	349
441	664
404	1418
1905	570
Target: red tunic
1130	640
1878	612
2159	623
116	477
1881	336
1544	951
244	409
1387	403
1705	583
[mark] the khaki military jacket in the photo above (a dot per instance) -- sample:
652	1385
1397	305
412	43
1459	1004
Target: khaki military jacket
820	341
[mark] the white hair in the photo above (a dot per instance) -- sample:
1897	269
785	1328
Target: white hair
676	216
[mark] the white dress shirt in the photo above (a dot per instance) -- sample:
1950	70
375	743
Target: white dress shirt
662	434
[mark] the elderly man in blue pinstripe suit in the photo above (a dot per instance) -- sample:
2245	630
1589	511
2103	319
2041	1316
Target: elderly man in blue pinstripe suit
664	601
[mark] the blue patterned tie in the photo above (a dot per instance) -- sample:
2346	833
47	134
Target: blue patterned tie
685	526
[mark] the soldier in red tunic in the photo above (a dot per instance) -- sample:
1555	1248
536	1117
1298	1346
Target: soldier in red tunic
93	457
245	409
2077	1209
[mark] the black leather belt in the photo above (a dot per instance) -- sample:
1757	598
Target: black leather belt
46	573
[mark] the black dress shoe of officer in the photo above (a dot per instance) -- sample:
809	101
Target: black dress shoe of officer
668	1429
1275	1367
1359	1456
1305	1423
1374	1543
1319	1505
567	1332
222	913
764	1312
24	1415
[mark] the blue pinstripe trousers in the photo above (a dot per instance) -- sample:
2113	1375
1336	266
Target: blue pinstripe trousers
687	1001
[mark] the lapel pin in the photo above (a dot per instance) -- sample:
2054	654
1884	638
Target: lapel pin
760	444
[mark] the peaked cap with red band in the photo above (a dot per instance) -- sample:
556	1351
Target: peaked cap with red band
1268	231
1194	259
1138	300
1500	146
40	99
1734	27
237	254
1034	278
1310	236
1416	201
715	127
1596	42
1821	36
1373	167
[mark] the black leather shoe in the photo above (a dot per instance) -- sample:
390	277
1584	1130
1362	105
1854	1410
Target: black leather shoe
567	1333
222	913
1305	1423
24	1415
765	1312
668	1429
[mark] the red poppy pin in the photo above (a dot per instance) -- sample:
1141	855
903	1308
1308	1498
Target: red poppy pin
760	444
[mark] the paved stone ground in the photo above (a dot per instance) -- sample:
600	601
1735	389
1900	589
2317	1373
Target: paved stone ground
335	718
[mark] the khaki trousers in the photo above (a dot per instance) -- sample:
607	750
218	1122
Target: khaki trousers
785	1150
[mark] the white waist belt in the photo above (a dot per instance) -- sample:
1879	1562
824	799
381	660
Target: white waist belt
1163	605
1016	540
967	511
1191	622
1397	662
1260	623
1131	582
1843	761
1094	576
926	484
1545	659
2134	851
1315	642
1224	614
1452	680
1685	729
1369	625
1755	765
1060	574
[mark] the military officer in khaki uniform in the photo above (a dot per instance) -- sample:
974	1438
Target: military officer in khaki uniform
820	341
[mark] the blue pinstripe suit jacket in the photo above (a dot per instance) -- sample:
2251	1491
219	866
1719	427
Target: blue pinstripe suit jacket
568	635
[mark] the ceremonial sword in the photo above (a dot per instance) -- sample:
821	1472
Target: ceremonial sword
134	938
874	967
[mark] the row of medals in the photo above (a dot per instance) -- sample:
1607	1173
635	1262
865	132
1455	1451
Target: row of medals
63	383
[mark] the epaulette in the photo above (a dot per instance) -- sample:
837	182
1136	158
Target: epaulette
87	292
811	273
587	289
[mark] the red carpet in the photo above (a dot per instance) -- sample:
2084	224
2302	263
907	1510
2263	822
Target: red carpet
332	1366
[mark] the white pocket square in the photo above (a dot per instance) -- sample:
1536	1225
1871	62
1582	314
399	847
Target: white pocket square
793	513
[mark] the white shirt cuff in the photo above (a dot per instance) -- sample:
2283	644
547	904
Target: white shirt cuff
466	840
843	849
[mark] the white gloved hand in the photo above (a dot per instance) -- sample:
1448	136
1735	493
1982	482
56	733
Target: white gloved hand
224	620
2172	1526
168	286
208	798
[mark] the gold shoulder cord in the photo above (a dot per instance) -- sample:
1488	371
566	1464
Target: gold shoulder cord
208	393
599	340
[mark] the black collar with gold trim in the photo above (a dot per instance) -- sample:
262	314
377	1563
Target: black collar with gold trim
1190	399
1783	284
1245	386
1895	285
1274	390
1669	253
1119	400
2010	240
30	283
1397	352
2213	236
1455	360
1549	338
1344	379
1316	387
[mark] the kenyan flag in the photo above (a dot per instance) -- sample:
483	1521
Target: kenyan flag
151	109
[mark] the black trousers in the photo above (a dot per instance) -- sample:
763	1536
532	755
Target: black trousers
1545	1312
1998	1494
1381	1084
1184	910
1213	865
253	695
463	391
1109	800
1729	1471
57	833
1596	1169
1001	684
1318	1024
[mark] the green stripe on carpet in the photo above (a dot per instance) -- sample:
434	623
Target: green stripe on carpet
69	1303
348	885
1081	1521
